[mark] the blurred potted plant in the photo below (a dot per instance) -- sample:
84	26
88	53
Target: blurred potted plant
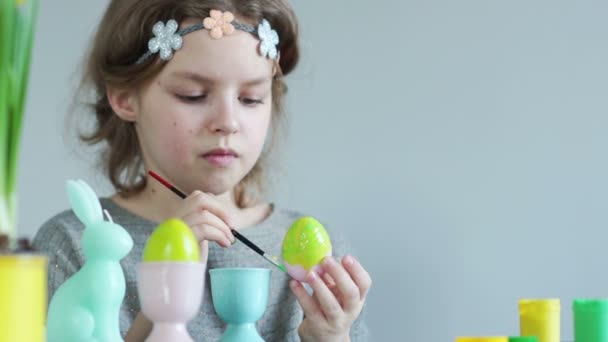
23	282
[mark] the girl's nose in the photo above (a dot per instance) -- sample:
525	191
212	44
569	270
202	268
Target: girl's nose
224	120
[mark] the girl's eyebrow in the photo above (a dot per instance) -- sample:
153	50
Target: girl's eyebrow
257	81
193	76
190	76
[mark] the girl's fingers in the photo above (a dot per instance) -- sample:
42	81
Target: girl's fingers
309	304
329	281
210	218
331	284
350	293
211	233
203	201
189	205
205	217
359	275
327	300
204	251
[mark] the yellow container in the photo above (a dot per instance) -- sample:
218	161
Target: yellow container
483	339
23	297
540	318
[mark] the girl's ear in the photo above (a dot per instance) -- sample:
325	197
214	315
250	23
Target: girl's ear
123	102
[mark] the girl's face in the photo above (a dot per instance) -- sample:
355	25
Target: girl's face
202	121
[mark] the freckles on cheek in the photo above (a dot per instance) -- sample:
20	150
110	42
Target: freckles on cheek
179	152
177	146
178	142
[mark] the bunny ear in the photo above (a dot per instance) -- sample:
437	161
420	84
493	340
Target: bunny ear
85	203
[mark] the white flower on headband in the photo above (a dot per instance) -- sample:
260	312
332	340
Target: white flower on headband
165	40
269	39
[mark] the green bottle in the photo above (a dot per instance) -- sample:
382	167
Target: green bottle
590	320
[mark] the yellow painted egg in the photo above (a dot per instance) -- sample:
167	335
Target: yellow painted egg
173	241
305	245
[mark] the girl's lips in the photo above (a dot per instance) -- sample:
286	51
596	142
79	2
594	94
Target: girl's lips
220	157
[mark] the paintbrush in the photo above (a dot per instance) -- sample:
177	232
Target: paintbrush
236	234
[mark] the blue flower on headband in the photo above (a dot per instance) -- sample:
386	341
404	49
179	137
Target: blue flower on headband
165	40
269	39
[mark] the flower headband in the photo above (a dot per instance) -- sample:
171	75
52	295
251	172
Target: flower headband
167	39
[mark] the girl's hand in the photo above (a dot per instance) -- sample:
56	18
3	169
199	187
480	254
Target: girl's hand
337	300
208	220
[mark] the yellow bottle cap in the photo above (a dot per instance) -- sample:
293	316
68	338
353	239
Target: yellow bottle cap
483	339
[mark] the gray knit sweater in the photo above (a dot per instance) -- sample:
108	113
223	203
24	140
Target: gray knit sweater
60	239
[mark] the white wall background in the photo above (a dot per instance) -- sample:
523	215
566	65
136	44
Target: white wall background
461	145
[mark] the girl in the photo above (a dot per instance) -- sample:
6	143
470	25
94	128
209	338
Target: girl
193	90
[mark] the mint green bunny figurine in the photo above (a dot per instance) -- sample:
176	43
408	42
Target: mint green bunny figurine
86	306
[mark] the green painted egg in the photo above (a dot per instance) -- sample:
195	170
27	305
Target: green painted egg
305	245
172	240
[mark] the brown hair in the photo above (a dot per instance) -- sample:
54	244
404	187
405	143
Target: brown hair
122	38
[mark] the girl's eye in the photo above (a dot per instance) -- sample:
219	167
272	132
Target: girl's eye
191	99
250	102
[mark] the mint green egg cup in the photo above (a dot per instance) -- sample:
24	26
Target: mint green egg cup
240	298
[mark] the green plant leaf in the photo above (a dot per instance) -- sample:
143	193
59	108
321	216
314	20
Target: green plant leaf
17	29
23	45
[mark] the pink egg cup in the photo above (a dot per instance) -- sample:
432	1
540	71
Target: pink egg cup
170	294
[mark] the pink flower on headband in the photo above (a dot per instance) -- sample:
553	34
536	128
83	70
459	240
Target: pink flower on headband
219	23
